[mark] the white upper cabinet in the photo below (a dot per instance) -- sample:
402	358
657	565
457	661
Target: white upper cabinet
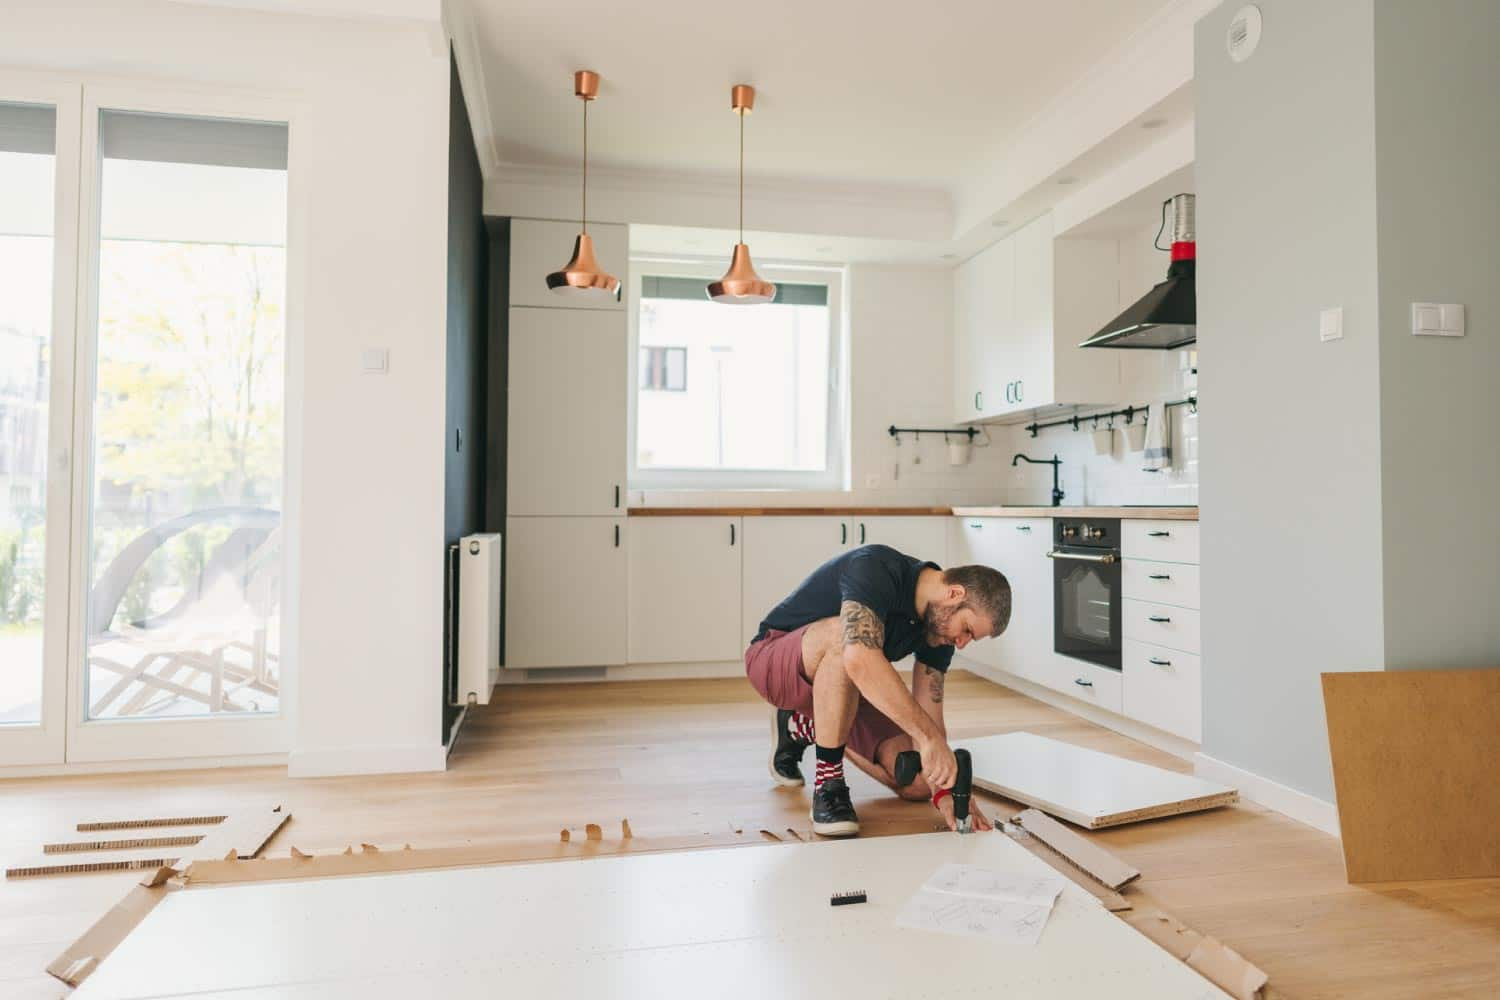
566	411
1021	307
684	589
538	247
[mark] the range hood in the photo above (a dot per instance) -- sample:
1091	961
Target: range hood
1167	316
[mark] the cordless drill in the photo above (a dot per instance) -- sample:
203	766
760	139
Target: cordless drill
909	765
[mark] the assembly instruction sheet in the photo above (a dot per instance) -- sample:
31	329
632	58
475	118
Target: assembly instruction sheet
976	902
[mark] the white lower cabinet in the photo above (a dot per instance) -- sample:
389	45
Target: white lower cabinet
779	554
684	589
916	536
1160	624
1018	548
1164	688
565	588
1099	686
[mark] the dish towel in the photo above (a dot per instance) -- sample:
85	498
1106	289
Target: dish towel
1158	453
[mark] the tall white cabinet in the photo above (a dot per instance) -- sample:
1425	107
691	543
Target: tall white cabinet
566	534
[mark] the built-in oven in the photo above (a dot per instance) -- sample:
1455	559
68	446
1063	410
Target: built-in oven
1086	589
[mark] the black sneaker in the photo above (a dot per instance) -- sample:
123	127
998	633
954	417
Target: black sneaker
786	751
832	812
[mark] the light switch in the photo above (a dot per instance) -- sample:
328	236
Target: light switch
1432	319
374	361
1331	324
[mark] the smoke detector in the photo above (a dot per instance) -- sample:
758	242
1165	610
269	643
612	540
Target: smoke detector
1244	33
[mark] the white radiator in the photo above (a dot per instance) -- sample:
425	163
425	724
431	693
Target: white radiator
478	617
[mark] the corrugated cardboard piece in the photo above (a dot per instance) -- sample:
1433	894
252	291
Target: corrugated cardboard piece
244	833
74	964
1215	961
1092	859
1415	757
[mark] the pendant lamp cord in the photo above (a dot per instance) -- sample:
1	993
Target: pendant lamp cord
741	113
584	222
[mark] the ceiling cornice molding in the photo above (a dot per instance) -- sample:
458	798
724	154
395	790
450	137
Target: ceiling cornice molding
458	25
1144	69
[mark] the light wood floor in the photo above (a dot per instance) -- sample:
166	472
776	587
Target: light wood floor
684	757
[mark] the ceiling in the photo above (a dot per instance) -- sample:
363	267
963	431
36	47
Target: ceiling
918	97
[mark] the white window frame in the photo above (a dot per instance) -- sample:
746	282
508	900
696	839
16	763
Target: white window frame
835	475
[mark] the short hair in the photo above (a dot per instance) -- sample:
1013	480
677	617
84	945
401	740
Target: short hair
987	591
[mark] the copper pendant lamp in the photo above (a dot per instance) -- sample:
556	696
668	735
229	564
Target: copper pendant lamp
582	277
740	284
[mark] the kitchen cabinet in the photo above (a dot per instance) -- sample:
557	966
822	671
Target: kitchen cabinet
1165	541
684	589
1018	548
779	554
540	246
918	537
1164	688
1163	668
566	413
565	586
1021	307
1160	624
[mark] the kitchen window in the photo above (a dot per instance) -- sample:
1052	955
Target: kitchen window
735	397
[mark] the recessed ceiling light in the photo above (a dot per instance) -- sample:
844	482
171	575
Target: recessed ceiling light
999	223
1153	123
1065	181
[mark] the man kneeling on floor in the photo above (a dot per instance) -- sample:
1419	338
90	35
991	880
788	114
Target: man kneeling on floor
823	658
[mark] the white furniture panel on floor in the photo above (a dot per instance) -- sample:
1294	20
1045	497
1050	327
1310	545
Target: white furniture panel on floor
745	922
685	589
1086	787
565	592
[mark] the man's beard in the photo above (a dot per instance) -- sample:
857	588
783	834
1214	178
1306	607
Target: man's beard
935	620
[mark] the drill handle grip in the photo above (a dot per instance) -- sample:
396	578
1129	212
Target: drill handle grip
962	784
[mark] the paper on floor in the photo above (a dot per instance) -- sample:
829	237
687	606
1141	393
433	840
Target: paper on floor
976	902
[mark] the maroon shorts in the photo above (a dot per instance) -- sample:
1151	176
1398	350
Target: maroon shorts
774	666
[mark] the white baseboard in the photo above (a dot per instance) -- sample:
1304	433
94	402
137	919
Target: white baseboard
324	763
1300	806
130	766
1149	735
627	672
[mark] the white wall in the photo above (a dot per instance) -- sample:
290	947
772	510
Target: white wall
1291	580
369	214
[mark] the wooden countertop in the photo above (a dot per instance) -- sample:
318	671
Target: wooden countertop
1144	513
789	511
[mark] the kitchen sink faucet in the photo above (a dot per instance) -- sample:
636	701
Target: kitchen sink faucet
1055	462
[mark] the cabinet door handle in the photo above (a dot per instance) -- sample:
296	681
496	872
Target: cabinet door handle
978	400
1158	534
1023	527
731	532
1160	576
617	496
975	525
844	533
1083	683
1161	663
617	536
861	532
1159	618
1019	384
1010	392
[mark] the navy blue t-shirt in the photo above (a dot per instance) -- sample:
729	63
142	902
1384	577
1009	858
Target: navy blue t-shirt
880	578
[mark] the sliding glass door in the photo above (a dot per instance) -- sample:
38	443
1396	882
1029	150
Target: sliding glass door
143	346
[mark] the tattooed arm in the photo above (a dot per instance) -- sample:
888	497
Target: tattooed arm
927	689
866	665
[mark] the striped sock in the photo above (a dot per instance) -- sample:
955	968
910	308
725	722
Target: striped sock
801	727
830	765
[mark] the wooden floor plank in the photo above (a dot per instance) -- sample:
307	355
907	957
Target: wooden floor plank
542	758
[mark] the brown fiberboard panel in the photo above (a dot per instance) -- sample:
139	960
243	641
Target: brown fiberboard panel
1415	759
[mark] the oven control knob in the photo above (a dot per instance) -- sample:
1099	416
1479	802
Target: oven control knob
1069	531
1092	532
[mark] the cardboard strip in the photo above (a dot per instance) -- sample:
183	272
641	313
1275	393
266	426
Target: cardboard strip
1212	959
138	824
222	872
123	844
84	955
32	869
1111	900
1092	859
244	834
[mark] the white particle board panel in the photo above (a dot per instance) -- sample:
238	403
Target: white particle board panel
1086	787
743	922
